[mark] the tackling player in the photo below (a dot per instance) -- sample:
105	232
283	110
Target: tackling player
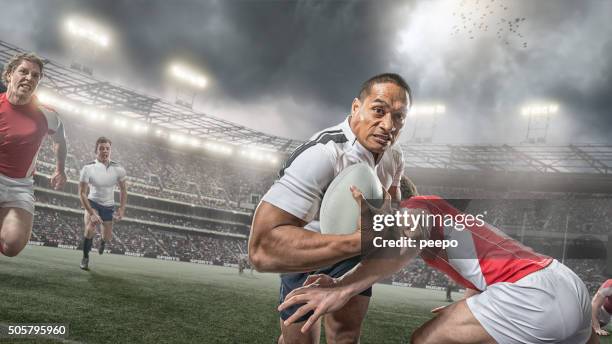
514	295
101	176
24	123
602	308
285	236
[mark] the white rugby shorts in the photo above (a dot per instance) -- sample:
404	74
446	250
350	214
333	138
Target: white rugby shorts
551	305
17	193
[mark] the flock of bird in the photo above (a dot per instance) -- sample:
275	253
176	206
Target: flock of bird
488	16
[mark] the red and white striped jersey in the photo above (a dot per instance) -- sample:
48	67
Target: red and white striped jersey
22	130
483	256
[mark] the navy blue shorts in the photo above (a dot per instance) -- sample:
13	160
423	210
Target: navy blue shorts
106	213
292	281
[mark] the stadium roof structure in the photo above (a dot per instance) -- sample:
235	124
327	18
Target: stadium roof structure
574	158
103	95
589	159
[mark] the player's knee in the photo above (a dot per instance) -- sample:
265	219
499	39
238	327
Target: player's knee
343	333
344	337
419	337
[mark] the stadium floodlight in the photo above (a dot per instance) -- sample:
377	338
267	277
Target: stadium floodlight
87	30
194	142
218	148
538	120
540	109
425	117
188	75
427	110
140	128
120	122
179	139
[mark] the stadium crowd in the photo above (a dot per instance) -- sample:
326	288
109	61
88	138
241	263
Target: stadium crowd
65	229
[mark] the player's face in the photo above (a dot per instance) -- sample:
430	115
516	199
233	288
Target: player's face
379	118
23	81
103	152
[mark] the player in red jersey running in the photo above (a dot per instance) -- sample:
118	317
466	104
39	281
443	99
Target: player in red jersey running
514	295
24	123
602	308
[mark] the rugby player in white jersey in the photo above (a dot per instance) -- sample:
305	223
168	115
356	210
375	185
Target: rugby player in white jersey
100	177
514	295
24	123
602	308
285	235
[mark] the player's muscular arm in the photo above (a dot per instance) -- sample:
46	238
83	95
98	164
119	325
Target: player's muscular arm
596	303
279	243
58	179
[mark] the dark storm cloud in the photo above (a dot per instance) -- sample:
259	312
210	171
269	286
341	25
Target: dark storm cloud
292	67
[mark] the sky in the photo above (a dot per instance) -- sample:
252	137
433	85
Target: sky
291	68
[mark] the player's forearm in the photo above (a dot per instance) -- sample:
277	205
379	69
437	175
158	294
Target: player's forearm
469	292
123	198
85	202
295	249
596	304
379	264
371	271
60	155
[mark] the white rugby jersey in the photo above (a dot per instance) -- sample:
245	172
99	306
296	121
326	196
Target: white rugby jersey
310	169
102	181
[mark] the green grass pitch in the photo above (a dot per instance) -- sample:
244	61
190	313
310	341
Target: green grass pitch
138	300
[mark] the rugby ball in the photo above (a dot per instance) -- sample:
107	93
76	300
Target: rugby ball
340	212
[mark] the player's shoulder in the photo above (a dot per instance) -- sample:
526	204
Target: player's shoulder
396	153
116	164
322	142
88	166
607	284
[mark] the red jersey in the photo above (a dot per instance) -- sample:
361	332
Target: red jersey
484	255
606	291
22	130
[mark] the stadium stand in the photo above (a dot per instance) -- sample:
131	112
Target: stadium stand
192	205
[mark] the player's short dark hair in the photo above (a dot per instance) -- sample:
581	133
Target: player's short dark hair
101	140
407	188
381	79
16	61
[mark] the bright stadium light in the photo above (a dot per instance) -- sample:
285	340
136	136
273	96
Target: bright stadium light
194	142
539	115
179	139
424	118
140	128
188	75
540	109
427	110
120	122
88	31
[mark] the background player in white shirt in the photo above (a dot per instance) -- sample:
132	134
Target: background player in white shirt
285	236
602	308
100	177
